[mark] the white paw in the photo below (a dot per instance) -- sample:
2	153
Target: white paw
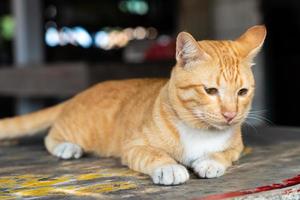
170	175
68	150
208	168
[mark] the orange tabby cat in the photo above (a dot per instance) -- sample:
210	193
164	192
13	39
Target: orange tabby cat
160	126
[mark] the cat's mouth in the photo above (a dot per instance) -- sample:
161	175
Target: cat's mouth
213	121
222	125
206	120
218	126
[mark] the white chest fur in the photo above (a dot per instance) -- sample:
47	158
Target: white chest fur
198	143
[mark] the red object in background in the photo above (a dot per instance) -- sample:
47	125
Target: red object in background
161	51
285	183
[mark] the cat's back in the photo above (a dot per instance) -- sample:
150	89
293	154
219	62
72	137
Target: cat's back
126	87
110	94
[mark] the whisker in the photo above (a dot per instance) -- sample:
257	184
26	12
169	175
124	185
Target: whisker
258	111
258	117
260	120
252	126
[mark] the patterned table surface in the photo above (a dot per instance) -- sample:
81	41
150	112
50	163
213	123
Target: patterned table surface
27	171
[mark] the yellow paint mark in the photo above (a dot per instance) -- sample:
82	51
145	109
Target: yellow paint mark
84	177
7	182
108	187
37	185
108	173
79	191
70	191
40	182
35	192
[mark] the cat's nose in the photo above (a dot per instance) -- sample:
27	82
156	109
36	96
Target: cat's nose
229	116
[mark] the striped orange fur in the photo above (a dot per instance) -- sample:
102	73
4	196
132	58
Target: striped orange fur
160	126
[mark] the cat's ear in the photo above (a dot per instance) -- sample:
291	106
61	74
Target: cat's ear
251	41
188	49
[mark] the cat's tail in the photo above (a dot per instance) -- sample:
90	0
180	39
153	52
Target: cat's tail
29	124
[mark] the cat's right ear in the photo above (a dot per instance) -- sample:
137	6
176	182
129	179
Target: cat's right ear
251	41
188	50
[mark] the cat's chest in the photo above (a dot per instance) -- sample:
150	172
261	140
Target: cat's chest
197	143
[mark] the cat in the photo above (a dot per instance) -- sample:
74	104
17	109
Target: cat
160	127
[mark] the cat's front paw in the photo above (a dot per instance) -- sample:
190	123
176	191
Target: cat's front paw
67	150
174	174
208	168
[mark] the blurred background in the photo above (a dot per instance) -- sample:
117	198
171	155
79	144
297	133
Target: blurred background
53	49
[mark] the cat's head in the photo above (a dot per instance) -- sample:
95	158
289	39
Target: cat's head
212	84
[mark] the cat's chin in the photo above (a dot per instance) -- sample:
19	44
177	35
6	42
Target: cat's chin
212	126
222	126
225	126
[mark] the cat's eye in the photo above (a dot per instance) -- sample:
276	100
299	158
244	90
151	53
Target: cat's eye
243	92
211	91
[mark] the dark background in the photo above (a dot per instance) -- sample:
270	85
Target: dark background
282	60
277	71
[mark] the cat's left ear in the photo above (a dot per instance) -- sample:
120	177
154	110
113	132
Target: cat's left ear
251	41
188	50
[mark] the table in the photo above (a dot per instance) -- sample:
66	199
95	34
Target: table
27	170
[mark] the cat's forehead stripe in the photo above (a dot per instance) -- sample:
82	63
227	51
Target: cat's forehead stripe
227	57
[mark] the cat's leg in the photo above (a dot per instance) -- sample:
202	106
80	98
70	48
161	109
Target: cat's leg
215	165
62	148
163	169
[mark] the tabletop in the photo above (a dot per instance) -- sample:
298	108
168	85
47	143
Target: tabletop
269	167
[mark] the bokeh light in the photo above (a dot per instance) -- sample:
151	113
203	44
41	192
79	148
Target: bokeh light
107	38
